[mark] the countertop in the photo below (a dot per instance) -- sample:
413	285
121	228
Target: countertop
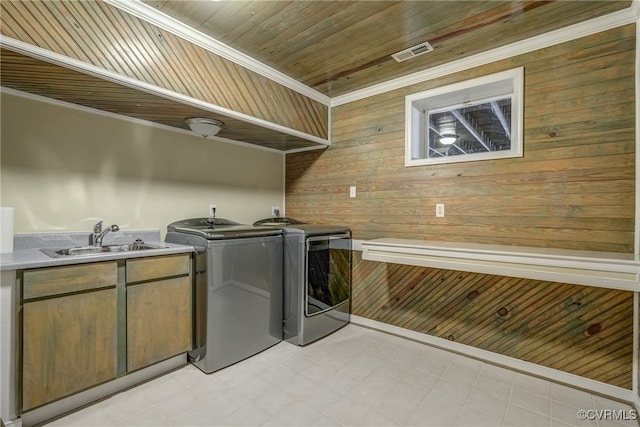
26	248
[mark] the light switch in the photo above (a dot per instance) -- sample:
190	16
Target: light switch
352	191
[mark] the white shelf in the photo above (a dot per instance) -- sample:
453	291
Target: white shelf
600	269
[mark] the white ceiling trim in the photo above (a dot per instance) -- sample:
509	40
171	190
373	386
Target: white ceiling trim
167	23
85	68
572	32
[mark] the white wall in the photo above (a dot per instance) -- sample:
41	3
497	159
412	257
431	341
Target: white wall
62	168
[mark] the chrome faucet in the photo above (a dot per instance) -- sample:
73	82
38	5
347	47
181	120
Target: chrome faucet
99	233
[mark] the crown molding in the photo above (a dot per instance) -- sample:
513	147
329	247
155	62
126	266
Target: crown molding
153	16
572	32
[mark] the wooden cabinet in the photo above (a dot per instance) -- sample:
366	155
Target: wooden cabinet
75	320
69	330
158	309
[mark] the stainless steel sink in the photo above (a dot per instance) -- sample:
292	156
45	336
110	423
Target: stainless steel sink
92	250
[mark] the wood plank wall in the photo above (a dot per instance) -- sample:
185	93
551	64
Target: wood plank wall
582	330
99	34
573	188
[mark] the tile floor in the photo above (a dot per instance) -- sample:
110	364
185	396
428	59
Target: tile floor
355	377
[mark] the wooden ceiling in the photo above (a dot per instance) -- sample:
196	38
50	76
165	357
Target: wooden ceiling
331	48
337	47
56	82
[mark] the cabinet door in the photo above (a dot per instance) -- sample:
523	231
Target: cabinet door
158	321
69	344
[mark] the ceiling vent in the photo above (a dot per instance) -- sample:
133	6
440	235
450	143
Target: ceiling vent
412	52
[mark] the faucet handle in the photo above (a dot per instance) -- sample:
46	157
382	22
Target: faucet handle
98	227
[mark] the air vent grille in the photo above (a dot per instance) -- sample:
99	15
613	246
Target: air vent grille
412	52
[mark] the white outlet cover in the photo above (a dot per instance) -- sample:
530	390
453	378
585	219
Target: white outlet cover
440	210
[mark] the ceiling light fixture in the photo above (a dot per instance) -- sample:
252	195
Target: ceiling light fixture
203	126
448	138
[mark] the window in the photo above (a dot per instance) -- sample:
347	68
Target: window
478	119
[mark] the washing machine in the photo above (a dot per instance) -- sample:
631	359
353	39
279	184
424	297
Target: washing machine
317	278
238	289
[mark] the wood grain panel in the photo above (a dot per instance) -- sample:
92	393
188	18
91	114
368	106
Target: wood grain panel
470	34
99	34
69	344
158	321
41	282
574	188
34	76
581	330
143	269
337	47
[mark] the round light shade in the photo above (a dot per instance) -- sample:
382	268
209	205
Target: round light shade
203	126
448	138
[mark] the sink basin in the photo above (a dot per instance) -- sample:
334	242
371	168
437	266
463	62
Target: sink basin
92	250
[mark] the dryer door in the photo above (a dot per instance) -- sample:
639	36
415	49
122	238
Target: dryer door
328	267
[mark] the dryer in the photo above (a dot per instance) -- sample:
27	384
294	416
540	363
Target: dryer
317	278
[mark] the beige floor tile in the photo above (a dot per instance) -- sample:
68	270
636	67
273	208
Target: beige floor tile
531	401
354	377
518	416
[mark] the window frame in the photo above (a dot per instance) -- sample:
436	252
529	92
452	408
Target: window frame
505	83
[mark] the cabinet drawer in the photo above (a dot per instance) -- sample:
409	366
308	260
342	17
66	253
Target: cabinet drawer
42	282
141	269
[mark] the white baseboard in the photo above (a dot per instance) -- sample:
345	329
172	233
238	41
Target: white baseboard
554	375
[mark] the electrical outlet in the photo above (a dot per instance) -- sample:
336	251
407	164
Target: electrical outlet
440	210
352	191
275	211
212	211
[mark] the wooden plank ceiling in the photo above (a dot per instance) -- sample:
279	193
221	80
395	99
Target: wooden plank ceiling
333	47
159	76
31	75
338	47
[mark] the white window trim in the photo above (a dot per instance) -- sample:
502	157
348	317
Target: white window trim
414	120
